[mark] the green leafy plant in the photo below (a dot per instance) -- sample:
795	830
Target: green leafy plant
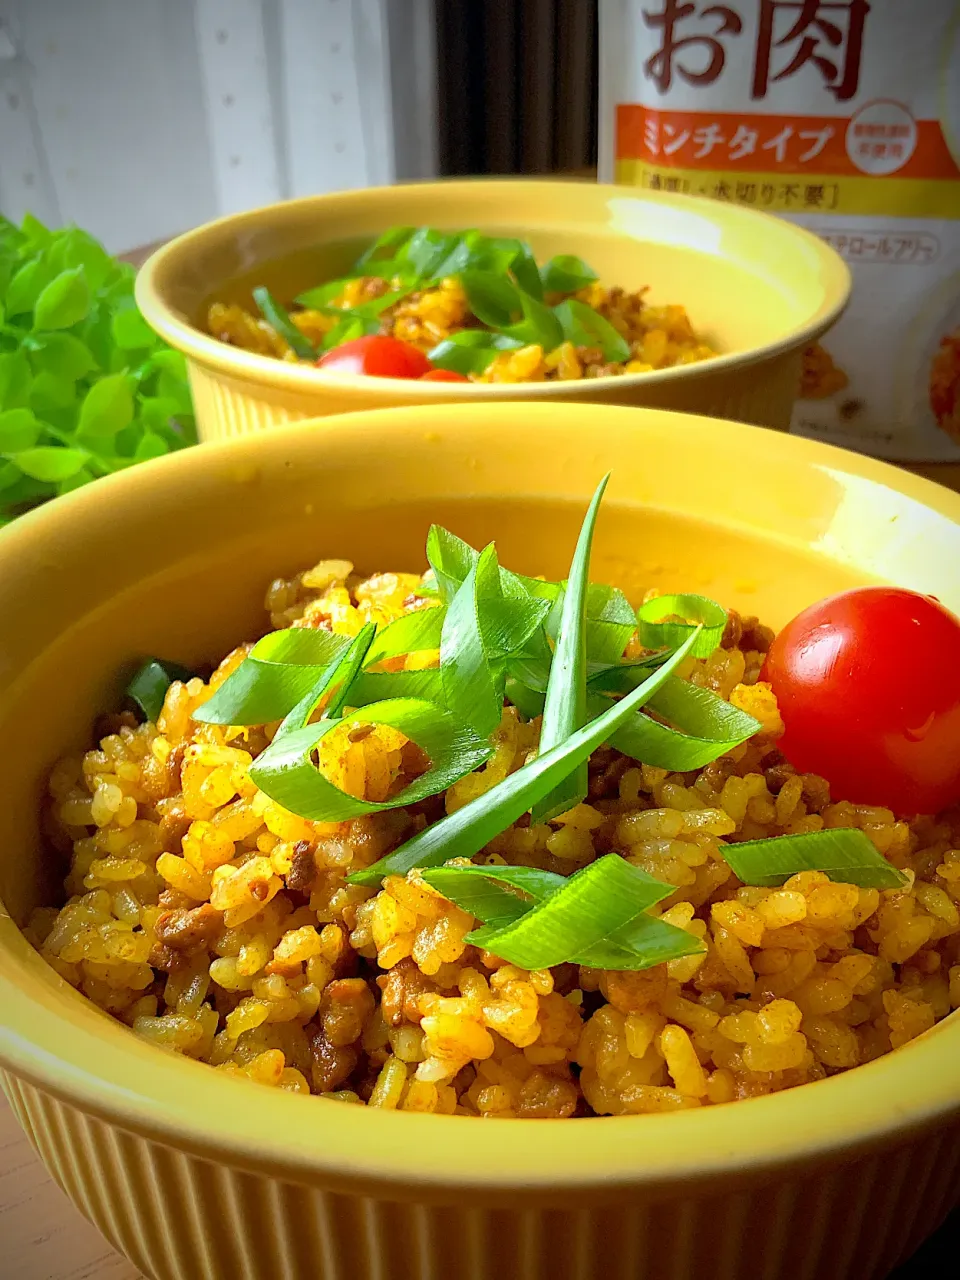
86	386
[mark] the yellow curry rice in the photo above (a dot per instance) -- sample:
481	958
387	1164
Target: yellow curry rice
219	926
660	337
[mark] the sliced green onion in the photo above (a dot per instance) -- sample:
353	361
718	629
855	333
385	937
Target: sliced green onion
641	942
565	702
844	854
595	903
526	273
279	670
376	686
480	890
539	324
321	297
149	686
384	249
480	631
703	728
656	633
349	328
466	831
287	774
493	299
279	320
470	350
566	273
414	632
585	327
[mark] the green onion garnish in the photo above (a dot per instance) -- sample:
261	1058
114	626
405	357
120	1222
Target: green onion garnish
657	633
585	327
566	273
280	321
268	684
565	702
466	831
149	686
842	853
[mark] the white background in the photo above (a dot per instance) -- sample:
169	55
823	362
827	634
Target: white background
136	119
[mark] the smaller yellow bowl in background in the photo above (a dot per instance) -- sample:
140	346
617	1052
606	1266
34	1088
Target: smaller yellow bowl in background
756	288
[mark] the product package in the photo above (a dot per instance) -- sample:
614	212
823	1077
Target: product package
844	117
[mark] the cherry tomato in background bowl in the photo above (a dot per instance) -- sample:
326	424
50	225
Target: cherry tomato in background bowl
444	375
868	685
377	356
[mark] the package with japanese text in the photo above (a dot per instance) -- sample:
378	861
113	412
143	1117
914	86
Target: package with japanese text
843	116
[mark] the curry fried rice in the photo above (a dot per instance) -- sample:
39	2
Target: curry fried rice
218	925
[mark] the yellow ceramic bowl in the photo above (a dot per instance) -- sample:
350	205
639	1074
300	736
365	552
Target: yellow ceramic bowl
195	1175
759	289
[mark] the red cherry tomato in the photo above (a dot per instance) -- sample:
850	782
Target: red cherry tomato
443	375
378	356
868	685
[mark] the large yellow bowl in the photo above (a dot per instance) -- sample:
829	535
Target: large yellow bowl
194	1175
758	288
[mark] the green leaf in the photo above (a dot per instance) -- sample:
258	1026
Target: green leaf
585	327
35	234
150	446
844	854
62	355
15	379
10	473
50	463
565	704
107	407
286	773
77	481
64	302
149	686
49	391
279	671
566	273
26	286
593	906
656	632
279	320
156	411
75	248
130	331
466	831
19	429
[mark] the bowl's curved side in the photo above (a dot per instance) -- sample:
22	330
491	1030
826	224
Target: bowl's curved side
791	285
177	1217
761	395
686	494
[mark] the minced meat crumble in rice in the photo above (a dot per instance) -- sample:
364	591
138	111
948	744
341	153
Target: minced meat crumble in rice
218	925
660	337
